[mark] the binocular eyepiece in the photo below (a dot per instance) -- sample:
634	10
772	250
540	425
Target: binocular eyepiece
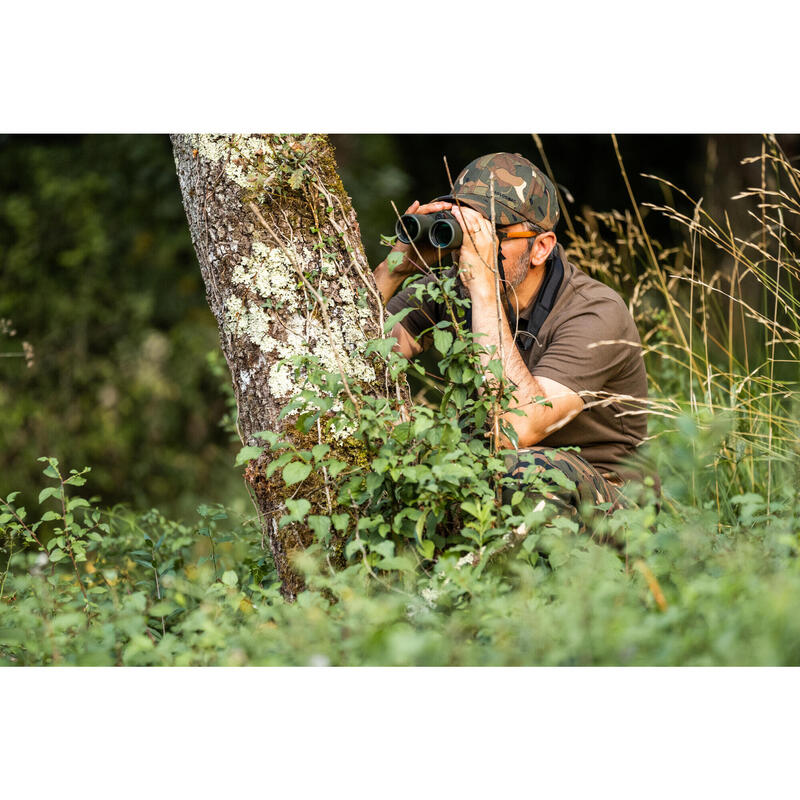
441	229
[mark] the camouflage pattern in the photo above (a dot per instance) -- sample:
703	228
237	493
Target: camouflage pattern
579	496
522	193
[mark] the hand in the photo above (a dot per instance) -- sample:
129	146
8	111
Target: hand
429	254
476	257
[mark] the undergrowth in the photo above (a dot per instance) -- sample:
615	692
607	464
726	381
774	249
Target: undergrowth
446	561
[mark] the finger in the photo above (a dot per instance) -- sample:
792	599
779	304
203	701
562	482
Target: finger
431	208
412	208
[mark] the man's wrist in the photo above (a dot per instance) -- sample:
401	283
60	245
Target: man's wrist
480	286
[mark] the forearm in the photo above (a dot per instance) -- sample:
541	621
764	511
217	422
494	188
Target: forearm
388	281
489	319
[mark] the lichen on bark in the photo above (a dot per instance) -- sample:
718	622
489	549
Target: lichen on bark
286	278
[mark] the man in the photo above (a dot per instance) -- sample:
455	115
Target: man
563	336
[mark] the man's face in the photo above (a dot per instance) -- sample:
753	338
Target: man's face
516	255
520	256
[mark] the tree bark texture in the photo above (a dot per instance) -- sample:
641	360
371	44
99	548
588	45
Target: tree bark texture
285	274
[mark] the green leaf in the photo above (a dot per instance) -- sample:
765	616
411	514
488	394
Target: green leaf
282	459
395	318
400	563
340	521
162	608
50	515
351	548
57	555
394	260
496	368
77	502
321	526
381	346
270	437
420	524
230	578
297	510
386	549
296	471
442	340
373	481
426	548
319	451
296	178
247	453
335	467
50	491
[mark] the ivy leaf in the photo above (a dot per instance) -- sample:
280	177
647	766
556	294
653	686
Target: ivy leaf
296	471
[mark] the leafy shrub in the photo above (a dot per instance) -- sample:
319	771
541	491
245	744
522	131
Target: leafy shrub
435	563
146	590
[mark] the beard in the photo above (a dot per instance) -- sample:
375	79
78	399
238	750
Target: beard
515	271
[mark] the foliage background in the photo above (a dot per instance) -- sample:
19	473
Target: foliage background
98	275
110	359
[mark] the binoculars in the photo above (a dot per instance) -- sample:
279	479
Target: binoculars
441	229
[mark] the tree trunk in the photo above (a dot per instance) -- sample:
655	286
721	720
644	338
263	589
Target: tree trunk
285	273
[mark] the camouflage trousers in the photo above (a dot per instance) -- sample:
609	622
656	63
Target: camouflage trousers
578	496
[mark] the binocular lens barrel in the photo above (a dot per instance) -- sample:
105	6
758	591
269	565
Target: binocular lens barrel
446	234
416	227
442	229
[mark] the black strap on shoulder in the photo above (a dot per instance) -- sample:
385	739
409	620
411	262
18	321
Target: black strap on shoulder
545	301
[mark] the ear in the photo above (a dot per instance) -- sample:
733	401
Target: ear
542	247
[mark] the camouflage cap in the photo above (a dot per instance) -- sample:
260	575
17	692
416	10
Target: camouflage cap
522	192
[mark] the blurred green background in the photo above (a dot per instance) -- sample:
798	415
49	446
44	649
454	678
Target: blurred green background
110	355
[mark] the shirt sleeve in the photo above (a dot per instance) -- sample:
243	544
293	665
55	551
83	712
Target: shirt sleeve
590	350
424	314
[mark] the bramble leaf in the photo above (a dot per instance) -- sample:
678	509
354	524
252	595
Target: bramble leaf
295	471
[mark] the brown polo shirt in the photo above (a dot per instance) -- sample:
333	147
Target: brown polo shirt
588	343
